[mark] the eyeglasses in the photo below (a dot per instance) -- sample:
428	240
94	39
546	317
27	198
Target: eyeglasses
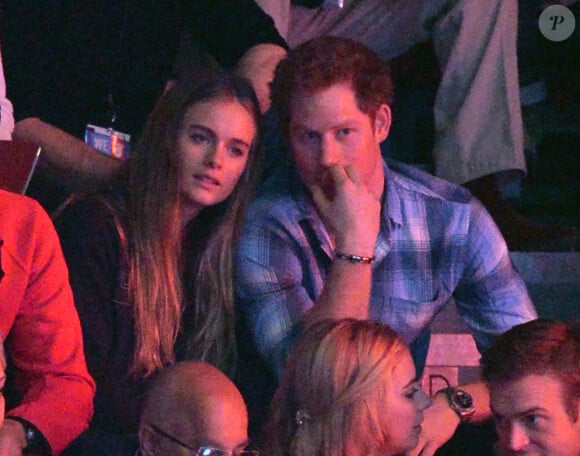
204	450
209	451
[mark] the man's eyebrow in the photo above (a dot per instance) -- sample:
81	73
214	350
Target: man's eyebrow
531	410
528	411
339	126
298	126
346	123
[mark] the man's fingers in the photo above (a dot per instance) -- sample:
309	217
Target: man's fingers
428	450
352	174
415	451
319	198
423	449
338	174
419	450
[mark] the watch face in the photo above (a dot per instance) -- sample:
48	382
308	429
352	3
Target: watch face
463	399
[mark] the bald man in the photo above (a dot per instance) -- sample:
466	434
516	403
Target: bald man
193	408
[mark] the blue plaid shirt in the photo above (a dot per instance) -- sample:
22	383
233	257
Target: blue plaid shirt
436	241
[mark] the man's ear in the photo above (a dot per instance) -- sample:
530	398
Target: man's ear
382	124
148	440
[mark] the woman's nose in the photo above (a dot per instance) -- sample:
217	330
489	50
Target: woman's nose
423	400
213	158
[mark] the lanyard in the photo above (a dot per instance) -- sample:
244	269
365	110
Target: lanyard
115	74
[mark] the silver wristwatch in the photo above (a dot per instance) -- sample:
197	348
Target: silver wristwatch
459	400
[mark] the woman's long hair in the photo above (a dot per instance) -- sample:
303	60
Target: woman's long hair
166	278
324	405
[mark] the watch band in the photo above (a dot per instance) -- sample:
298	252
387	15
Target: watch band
36	443
459	401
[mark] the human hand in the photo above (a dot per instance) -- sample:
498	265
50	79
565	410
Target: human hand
439	425
12	438
352	214
257	65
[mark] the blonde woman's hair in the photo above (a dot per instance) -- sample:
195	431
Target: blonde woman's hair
324	405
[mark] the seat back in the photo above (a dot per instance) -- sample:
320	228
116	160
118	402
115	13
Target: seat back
17	162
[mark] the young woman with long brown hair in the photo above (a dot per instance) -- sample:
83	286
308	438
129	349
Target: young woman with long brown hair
151	258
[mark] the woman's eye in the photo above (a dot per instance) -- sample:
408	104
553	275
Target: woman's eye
236	151
199	138
310	137
412	392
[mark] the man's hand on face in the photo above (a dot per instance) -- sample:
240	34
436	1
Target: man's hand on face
352	214
439	425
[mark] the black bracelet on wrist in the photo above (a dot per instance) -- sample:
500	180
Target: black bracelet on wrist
355	259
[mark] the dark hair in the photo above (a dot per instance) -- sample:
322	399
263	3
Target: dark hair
540	347
322	62
160	278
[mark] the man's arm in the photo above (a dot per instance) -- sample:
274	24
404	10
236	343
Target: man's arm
245	25
353	220
252	44
491	298
12	438
69	160
280	279
45	342
6	109
440	421
257	65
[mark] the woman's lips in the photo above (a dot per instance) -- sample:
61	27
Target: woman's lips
207	178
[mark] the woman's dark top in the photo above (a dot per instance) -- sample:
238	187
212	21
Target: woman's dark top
92	247
93	234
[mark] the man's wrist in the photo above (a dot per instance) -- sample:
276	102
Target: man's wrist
458	401
444	411
16	431
33	441
363	249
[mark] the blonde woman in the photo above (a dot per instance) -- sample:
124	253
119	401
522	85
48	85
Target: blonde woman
349	388
151	257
